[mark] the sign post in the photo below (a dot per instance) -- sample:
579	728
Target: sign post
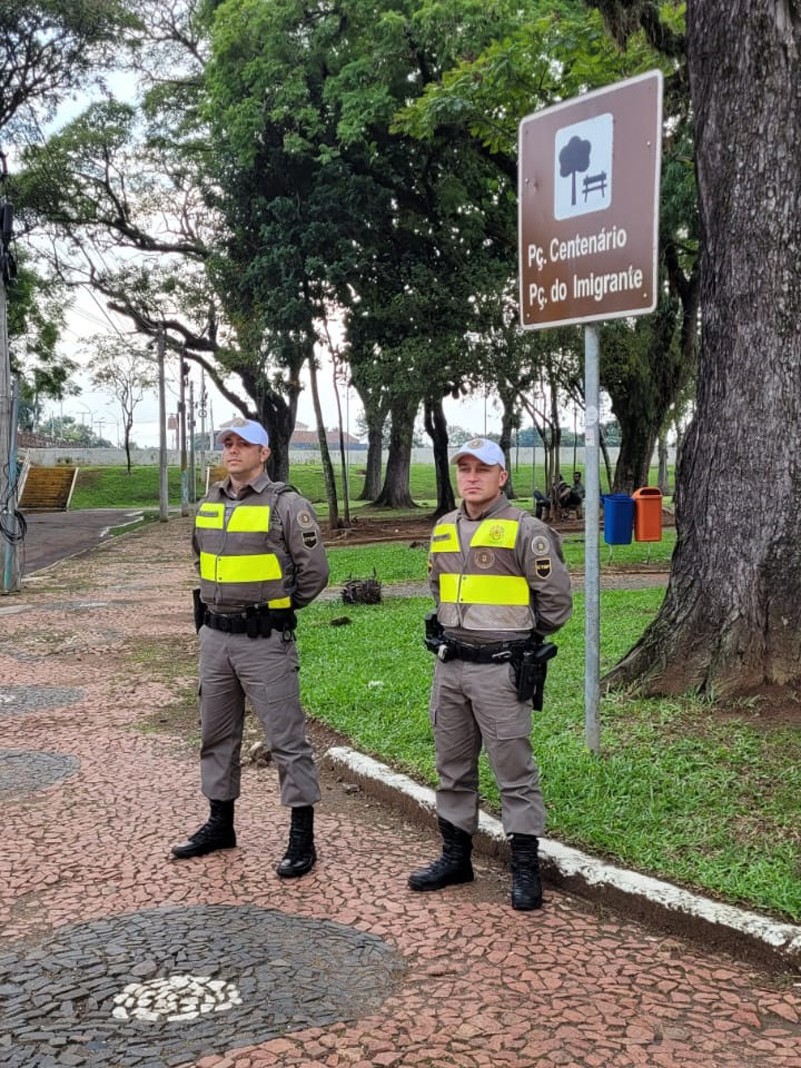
588	240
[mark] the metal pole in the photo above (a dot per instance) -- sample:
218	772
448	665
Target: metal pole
192	476
182	431
203	400
163	484
592	570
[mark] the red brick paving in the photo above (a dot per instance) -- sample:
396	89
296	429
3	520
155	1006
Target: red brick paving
484	986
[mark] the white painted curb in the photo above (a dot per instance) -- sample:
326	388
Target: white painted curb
781	938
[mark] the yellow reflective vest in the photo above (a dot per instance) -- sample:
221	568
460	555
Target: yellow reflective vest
246	552
495	573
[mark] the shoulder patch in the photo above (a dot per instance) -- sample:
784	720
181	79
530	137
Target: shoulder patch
540	545
304	519
309	538
542	567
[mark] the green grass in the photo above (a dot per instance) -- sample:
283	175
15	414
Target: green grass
113	487
678	791
394	562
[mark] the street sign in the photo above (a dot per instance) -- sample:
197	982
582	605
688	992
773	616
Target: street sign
588	205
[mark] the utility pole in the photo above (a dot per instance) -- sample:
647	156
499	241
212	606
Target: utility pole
182	428
191	425
10	526
164	508
203	401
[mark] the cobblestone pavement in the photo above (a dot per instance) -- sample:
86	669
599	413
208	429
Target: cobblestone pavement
111	954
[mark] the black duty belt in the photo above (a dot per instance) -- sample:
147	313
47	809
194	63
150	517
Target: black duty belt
233	624
255	622
495	653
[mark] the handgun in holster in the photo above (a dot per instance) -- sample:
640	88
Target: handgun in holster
199	608
531	668
434	633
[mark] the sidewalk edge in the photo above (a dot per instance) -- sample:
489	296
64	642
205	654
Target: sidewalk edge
640	897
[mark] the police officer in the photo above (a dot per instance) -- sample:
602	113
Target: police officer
258	548
500	583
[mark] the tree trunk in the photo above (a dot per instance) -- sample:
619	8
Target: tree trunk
644	388
395	492
372	473
509	421
334	521
662	473
731	619
278	416
437	429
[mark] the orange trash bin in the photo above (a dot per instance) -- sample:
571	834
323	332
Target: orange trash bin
647	514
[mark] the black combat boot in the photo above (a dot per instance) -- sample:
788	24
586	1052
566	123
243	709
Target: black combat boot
452	867
300	853
216	833
526	884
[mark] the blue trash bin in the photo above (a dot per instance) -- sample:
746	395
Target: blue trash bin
618	518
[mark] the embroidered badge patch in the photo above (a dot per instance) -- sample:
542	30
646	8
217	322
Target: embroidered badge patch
484	558
309	538
540	545
495	532
305	519
542	567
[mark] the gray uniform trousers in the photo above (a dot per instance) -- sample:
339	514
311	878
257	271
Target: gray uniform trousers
266	670
471	703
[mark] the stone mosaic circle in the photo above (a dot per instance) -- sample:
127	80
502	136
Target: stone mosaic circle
24	772
15	699
167	986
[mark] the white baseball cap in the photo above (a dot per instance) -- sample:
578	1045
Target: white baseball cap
247	429
488	452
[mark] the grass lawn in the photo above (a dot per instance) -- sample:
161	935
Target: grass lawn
682	791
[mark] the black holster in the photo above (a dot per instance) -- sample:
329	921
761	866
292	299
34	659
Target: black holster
531	668
198	608
434	633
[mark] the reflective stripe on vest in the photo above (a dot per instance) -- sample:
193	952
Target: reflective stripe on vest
210	516
243	520
445	539
492	589
484	589
259	568
496	534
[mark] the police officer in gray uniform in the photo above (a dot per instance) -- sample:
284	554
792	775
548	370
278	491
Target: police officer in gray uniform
500	584
259	552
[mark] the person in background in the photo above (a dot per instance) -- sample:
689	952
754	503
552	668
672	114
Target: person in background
259	551
500	584
541	504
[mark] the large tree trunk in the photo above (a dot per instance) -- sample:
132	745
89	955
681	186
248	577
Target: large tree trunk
731	619
437	429
395	492
510	420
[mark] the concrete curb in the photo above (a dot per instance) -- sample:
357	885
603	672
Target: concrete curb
660	904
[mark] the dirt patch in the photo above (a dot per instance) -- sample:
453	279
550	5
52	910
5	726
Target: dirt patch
766	707
366	529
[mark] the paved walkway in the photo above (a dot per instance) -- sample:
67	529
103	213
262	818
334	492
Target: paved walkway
110	954
53	536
